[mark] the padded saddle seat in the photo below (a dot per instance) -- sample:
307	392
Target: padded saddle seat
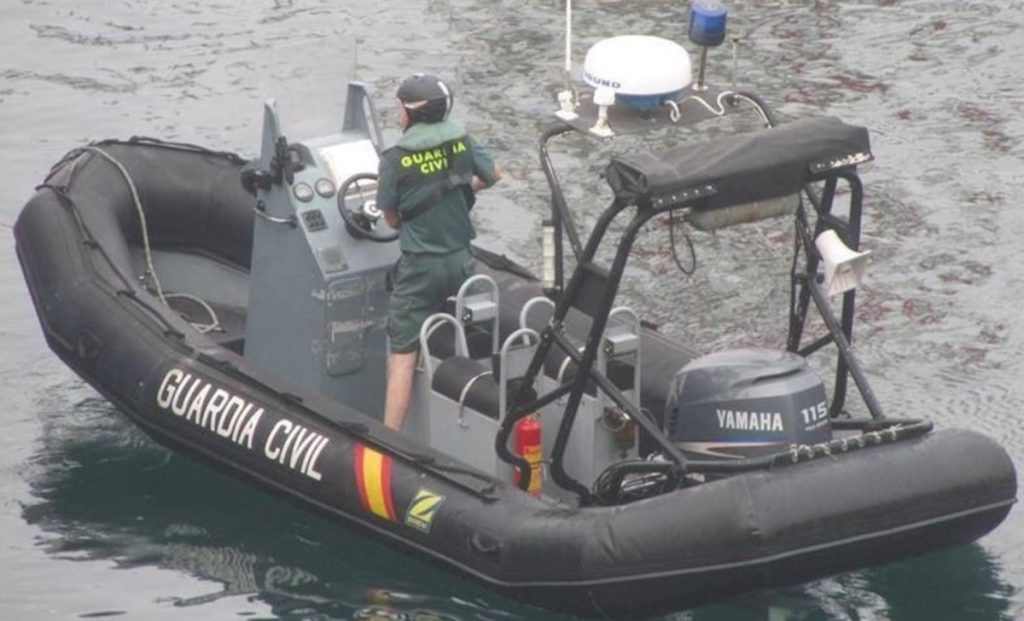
473	384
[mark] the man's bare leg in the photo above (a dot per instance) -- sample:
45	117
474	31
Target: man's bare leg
399	391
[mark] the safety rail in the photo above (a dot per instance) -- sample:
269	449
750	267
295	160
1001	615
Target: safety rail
513	362
621	340
427	329
480	307
524	313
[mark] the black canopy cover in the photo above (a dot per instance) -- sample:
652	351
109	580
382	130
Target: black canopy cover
743	168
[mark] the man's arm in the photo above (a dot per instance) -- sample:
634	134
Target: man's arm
387	193
480	184
485	172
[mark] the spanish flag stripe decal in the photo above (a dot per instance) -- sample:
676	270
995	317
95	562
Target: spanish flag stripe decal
389	503
373	477
359	476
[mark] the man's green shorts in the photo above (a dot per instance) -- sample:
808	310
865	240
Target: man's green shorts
421	284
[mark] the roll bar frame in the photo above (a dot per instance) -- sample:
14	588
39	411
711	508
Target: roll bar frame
588	277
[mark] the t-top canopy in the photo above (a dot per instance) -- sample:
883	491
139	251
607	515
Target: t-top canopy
740	169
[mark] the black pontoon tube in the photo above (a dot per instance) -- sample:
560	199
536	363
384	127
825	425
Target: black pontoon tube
874	432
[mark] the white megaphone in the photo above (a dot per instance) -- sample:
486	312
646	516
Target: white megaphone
844	268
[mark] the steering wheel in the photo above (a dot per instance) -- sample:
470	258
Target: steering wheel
363	220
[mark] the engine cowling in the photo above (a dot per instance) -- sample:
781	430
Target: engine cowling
745	403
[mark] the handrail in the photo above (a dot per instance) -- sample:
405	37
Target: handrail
524	312
638	331
503	372
460	303
260	209
459	334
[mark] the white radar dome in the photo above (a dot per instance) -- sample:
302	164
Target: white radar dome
643	71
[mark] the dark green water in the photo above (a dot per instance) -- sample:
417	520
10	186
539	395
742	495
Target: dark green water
96	520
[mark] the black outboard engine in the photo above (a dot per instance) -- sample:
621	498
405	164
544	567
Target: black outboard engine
745	403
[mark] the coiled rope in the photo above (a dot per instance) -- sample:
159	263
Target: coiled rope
149	275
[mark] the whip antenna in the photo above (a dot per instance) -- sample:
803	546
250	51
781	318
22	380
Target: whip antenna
567	97
568	37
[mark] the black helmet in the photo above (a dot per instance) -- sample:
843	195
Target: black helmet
426	98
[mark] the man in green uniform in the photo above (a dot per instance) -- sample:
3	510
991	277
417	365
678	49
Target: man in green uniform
426	187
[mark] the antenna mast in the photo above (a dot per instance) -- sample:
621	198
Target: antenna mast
567	97
568	37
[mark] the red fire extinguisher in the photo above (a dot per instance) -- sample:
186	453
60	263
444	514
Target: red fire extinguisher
528	433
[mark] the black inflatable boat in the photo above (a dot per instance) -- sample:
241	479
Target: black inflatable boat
234	310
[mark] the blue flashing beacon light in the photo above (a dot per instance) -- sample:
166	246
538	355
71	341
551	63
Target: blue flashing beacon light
707	29
707	22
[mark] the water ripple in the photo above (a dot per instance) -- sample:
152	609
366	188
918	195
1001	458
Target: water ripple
75	82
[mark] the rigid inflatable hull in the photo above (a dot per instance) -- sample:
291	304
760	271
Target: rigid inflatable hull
670	552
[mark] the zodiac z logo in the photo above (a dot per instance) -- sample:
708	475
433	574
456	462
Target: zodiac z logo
422	509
